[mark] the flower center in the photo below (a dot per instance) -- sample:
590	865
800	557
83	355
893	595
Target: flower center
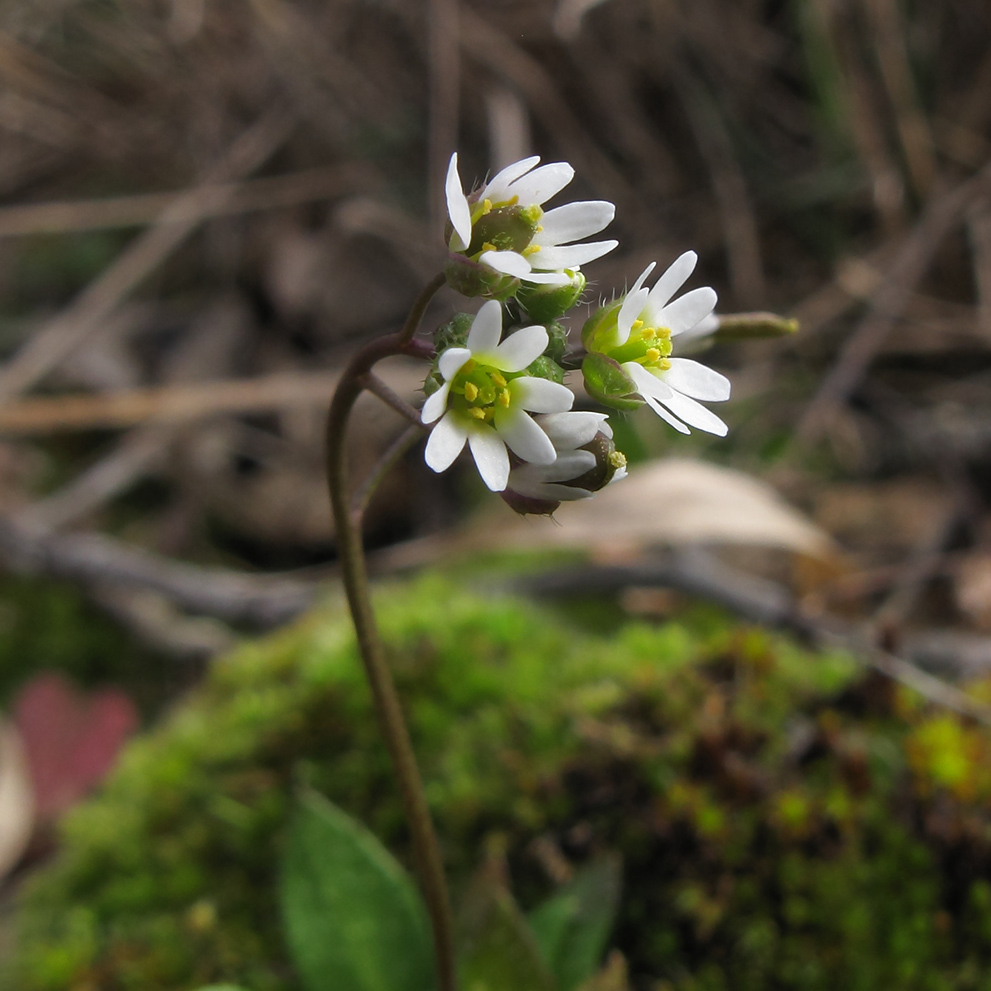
478	390
647	346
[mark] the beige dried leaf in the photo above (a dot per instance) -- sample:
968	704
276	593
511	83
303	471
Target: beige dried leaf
16	798
678	501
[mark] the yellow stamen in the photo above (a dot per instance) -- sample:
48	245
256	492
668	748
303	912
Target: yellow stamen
503	398
486	207
477	412
617	459
530	249
637	324
498	379
471	391
489	246
653	355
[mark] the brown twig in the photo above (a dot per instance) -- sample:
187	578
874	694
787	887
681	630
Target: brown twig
889	302
55	342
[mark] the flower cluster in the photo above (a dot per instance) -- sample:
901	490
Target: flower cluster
497	383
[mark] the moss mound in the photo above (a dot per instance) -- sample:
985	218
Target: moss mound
784	823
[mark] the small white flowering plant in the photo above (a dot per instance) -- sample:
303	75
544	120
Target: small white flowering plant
496	385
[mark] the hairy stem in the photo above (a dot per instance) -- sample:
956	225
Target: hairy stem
426	850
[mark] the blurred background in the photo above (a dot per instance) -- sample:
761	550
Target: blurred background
206	206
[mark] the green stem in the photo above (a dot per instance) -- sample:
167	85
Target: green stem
426	850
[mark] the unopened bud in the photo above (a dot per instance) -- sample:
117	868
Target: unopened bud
546	303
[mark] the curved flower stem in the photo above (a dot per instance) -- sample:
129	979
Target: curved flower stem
426	850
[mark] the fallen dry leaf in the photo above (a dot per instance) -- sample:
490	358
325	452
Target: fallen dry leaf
17	806
675	501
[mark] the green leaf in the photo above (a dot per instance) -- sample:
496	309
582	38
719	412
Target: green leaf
498	949
572	927
353	918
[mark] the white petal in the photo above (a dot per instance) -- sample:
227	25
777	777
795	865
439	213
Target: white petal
560	256
497	188
436	404
540	395
490	455
541	184
547	278
519	349
574	221
692	378
524	437
507	262
632	306
693	413
664	414
450	362
486	328
686	311
570	430
457	207
672	280
648	386
569	465
445	442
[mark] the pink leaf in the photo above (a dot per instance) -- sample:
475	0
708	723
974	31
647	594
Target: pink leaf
72	738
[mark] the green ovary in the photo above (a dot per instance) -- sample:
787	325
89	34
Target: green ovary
479	390
647	346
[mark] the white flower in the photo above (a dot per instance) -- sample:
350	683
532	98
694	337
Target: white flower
648	329
550	258
568	433
485	401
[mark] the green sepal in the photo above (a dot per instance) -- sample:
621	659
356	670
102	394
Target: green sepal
606	382
545	303
546	368
454	333
472	279
557	341
600	327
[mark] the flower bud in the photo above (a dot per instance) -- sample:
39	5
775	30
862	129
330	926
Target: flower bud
545	303
606	382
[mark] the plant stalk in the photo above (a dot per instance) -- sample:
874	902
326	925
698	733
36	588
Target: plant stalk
393	724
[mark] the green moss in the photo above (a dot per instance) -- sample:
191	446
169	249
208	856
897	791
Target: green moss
774	835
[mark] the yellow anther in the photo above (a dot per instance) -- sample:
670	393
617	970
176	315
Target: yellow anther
498	379
617	459
477	412
489	246
653	356
471	391
637	324
503	398
486	206
530	249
